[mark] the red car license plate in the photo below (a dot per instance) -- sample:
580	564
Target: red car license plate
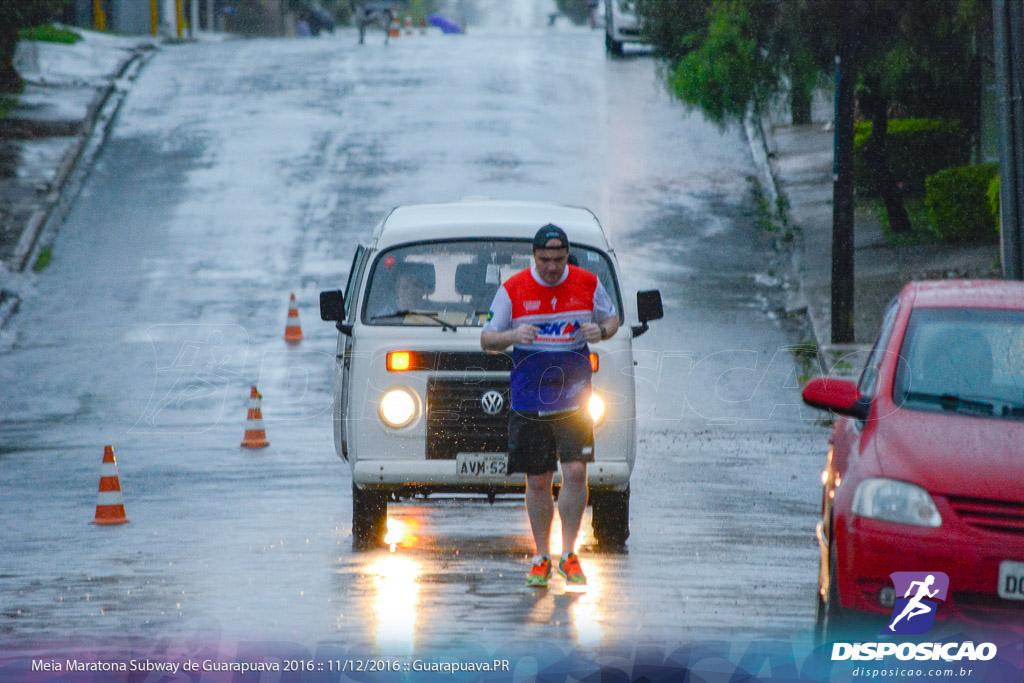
1011	580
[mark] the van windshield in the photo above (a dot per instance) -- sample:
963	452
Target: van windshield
454	282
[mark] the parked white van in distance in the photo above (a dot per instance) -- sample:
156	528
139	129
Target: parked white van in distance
621	25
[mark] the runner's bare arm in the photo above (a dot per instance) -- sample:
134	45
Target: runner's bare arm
493	340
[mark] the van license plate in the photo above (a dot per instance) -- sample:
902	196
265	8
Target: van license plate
1011	580
481	464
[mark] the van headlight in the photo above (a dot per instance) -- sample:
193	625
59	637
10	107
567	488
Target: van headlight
397	408
895	501
595	406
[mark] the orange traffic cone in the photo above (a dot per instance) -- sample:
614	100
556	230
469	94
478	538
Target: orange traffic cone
109	503
408	24
394	29
255	437
293	330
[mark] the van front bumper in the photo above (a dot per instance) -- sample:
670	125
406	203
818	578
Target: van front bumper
439	475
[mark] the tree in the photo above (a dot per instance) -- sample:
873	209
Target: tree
674	28
912	56
15	15
724	71
917	58
764	43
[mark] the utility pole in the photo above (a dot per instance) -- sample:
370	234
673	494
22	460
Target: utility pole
842	181
1008	25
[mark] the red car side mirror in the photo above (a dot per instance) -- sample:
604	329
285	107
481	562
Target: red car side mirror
838	395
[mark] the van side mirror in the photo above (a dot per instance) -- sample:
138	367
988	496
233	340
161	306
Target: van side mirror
648	307
332	305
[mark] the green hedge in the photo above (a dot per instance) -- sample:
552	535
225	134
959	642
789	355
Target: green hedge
48	33
993	196
959	209
915	148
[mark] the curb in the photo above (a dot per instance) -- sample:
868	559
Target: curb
8	307
753	126
832	359
762	150
54	206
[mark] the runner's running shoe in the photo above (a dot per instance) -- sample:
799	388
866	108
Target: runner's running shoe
540	572
569	568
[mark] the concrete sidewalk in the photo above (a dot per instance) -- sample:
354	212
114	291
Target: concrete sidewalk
70	97
799	161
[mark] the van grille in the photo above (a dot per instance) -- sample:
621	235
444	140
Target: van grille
991	515
456	421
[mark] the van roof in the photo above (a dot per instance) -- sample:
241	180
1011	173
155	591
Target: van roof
478	217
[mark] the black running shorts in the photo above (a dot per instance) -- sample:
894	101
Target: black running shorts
536	442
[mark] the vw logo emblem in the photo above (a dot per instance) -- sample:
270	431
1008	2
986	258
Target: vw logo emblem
492	402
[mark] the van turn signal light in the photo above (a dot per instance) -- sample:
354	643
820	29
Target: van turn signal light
399	361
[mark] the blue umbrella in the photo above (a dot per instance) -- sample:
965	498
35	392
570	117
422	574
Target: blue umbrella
444	23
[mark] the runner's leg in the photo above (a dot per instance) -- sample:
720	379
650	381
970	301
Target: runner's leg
572	501
540	508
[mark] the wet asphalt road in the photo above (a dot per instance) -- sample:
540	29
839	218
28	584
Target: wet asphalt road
239	172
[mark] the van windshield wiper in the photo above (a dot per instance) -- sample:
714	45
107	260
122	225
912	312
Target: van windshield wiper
433	315
950	401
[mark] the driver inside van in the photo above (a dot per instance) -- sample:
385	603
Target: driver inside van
411	291
403	286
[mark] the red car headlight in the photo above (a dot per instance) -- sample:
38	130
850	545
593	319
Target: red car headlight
895	501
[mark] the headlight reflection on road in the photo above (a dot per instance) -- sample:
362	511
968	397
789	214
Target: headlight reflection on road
395	602
586	613
556	535
400	532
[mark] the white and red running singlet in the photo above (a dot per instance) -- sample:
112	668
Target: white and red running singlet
553	373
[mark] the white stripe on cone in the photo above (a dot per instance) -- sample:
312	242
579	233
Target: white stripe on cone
109	498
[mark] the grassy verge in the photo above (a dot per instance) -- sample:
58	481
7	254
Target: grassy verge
43	260
806	356
49	34
808	367
774	223
919	233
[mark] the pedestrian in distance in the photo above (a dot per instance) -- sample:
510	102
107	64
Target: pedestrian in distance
548	314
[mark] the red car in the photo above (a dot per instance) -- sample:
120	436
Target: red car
925	467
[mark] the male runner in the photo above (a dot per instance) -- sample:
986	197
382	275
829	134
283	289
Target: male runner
548	314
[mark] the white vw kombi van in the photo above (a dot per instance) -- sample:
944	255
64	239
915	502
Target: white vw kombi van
419	408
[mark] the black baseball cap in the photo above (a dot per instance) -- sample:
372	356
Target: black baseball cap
550	232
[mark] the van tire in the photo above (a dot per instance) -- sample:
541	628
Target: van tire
369	518
613	46
610	518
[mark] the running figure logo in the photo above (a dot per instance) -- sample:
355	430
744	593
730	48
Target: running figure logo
914	613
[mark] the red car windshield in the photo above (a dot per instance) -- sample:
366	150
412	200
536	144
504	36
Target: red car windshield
966	360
